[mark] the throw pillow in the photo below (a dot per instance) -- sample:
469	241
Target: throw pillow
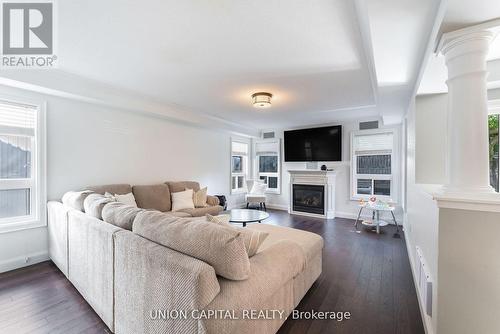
258	188
220	246
75	199
128	199
200	198
94	203
253	239
182	200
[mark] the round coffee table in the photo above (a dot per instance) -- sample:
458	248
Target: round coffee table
245	216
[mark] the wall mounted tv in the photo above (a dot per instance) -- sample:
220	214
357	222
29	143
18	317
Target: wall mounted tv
316	144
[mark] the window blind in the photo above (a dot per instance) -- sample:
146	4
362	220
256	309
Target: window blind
239	148
17	115
381	142
267	148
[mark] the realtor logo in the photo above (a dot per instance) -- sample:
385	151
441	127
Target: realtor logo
28	29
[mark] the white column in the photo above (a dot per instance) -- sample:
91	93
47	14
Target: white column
468	160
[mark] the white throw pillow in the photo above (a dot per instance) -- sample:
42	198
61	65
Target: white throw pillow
128	199
182	200
258	188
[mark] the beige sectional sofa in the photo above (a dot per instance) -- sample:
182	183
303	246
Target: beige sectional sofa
127	278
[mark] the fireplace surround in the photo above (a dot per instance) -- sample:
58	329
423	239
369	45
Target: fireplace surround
312	193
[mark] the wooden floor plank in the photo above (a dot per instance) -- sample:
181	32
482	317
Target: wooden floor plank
365	274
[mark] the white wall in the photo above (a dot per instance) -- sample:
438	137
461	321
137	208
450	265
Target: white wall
430	155
88	144
422	214
344	206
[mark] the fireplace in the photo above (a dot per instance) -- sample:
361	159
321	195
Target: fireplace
309	198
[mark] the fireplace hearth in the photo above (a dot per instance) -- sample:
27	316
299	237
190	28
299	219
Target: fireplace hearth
309	198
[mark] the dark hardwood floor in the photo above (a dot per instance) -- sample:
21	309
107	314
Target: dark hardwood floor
365	274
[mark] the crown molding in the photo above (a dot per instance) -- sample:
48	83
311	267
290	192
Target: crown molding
65	85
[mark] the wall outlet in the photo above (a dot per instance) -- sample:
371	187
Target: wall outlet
26	259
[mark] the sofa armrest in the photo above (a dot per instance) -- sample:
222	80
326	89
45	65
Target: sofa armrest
57	218
212	200
149	278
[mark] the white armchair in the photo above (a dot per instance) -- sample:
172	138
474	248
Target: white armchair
256	193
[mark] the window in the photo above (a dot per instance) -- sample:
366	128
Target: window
239	166
493	148
21	194
267	160
373	165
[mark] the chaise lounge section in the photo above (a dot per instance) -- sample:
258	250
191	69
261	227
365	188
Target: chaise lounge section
127	278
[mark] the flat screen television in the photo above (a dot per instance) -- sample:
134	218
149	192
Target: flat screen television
315	144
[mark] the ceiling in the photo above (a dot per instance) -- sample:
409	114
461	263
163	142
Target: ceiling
323	60
461	14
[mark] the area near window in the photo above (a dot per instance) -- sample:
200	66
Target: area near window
21	187
239	166
373	165
493	126
268	164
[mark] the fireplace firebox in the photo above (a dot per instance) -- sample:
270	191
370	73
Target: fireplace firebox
309	198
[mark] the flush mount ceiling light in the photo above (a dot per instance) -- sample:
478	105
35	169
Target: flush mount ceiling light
261	100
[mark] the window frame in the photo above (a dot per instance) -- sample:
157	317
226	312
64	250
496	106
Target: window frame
37	182
393	177
244	167
277	174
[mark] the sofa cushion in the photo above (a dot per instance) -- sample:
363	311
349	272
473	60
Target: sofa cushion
120	214
311	243
200	212
121	189
175	187
212	200
253	238
271	271
221	247
75	199
179	214
94	203
156	196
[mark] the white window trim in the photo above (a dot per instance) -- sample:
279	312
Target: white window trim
38	218
395	166
245	167
256	164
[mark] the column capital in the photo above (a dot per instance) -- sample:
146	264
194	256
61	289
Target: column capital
466	37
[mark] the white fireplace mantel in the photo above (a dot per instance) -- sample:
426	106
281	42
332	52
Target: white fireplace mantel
315	177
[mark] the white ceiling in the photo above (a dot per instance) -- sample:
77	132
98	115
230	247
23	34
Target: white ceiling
324	60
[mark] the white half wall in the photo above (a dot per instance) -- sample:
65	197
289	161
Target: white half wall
90	144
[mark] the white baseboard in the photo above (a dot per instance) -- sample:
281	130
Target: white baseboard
277	207
23	261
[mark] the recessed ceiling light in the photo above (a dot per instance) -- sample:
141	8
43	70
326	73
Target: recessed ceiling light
261	100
